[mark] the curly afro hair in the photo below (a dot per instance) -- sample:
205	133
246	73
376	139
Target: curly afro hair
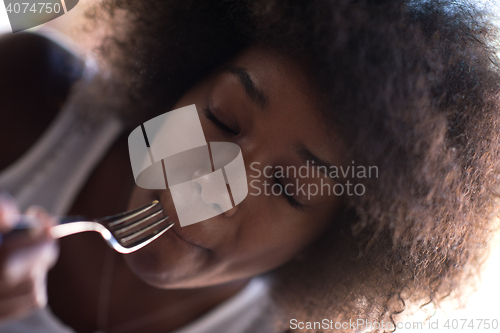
411	86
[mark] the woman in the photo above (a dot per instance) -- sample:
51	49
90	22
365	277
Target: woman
408	89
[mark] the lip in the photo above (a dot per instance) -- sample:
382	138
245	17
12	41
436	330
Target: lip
175	229
183	239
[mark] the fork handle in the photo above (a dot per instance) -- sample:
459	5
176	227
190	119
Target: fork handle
70	228
68	225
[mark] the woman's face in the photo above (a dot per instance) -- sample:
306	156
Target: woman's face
261	101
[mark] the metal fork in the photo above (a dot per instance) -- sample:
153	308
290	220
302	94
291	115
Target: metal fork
124	232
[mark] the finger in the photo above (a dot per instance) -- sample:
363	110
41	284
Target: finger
17	307
21	300
37	222
34	283
23	288
47	222
41	215
22	239
9	212
30	262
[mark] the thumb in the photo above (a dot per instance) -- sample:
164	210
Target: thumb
9	212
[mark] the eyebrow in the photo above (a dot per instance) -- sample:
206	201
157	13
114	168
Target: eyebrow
306	155
253	92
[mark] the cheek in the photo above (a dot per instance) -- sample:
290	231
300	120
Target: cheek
168	261
280	234
261	236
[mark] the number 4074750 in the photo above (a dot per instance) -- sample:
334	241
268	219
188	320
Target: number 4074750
471	324
35	8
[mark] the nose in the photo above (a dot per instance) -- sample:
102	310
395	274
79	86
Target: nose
210	192
213	190
201	171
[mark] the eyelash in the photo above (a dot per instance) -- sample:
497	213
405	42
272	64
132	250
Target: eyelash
218	123
291	200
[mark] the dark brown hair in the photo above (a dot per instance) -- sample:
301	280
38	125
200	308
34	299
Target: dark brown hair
411	86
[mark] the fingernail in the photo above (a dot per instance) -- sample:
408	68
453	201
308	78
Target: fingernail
33	218
9	212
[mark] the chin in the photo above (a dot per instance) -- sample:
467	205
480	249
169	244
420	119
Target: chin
150	271
166	264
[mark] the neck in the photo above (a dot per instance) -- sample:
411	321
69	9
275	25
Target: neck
94	289
97	291
134	306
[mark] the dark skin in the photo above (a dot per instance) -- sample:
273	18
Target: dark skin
268	128
261	101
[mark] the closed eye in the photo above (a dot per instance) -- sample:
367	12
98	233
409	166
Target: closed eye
291	200
210	116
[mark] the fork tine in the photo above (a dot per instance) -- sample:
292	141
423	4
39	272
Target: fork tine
136	224
126	216
146	230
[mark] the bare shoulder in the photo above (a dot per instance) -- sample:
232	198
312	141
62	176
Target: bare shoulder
36	75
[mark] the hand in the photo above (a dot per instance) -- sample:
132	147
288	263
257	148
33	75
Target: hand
25	258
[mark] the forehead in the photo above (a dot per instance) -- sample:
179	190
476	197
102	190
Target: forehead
280	76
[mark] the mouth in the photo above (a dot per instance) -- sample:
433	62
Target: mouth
176	233
175	229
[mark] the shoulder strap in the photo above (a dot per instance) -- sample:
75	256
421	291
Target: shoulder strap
52	172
